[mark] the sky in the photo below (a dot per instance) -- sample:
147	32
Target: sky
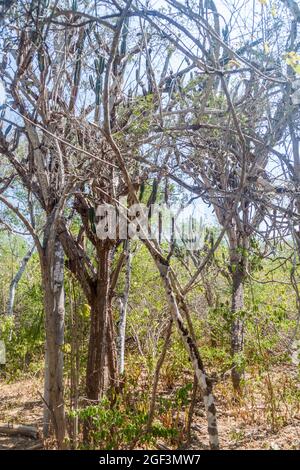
197	206
2	93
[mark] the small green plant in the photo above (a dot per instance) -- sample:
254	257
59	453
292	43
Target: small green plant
121	426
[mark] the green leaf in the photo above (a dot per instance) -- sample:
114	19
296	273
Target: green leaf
297	69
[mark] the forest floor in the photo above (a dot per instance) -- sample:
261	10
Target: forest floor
20	403
266	417
241	426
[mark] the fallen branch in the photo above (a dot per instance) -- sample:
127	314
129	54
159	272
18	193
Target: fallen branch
37	446
19	430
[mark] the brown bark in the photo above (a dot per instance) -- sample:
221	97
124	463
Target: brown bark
98	329
101	372
101	365
237	323
52	264
75	364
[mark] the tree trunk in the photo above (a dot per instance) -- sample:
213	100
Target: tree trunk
113	377
158	367
16	279
53	284
193	351
237	323
191	412
101	364
95	375
123	311
75	364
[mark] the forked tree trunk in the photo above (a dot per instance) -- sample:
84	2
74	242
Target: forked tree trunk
194	355
54	304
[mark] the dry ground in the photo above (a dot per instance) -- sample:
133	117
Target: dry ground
241	426
20	403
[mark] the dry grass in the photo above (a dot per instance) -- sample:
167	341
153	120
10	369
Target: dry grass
267	416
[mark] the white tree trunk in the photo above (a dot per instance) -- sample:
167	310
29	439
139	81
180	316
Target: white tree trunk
194	355
123	310
16	279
